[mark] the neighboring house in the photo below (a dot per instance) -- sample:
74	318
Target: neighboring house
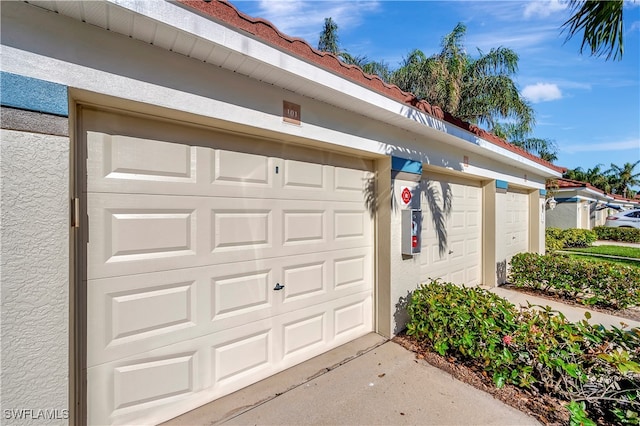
581	205
622	203
193	201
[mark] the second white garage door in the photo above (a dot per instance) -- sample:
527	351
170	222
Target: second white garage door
214	261
451	229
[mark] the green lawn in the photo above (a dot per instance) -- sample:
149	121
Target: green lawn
610	251
632	263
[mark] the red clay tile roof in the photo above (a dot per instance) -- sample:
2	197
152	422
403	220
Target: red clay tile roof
570	183
224	11
620	198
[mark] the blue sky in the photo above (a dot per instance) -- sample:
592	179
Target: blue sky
589	106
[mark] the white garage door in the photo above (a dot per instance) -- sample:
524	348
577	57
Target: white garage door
211	268
516	227
451	229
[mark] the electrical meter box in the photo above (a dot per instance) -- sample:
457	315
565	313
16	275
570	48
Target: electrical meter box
411	230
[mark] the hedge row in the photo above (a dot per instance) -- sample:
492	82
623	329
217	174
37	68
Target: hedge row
596	369
590	283
629	235
557	239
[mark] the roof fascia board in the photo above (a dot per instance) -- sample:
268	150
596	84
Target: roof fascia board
206	28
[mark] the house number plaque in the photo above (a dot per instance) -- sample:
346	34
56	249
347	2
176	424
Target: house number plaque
291	112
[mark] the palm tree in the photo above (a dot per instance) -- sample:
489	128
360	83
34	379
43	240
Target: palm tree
576	174
595	176
602	26
381	69
543	148
623	178
546	149
329	42
479	90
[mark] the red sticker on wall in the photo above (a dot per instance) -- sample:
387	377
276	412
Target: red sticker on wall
406	195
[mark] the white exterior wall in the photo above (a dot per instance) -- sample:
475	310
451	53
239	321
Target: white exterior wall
35	276
405	270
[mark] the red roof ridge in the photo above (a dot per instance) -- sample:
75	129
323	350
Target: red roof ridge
581	183
265	30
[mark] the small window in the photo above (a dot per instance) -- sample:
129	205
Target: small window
633	214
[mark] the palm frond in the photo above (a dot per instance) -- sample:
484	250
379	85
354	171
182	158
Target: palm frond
601	24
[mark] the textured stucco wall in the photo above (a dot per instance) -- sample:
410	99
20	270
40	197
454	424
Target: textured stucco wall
564	216
405	270
34	323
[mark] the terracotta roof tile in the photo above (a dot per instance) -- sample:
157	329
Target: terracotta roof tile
571	183
266	31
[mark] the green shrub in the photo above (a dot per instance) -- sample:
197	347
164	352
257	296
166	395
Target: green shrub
590	283
553	239
595	368
578	237
557	239
629	235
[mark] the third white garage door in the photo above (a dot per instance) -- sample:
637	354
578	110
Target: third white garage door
214	261
451	229
516	226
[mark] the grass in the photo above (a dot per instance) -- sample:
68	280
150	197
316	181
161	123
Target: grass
625	262
610	251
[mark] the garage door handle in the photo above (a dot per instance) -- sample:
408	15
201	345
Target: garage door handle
278	287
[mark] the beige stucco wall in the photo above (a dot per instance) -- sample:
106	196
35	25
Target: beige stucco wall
564	216
405	270
34	324
537	222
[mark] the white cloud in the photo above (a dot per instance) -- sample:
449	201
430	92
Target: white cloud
632	144
542	92
543	9
305	19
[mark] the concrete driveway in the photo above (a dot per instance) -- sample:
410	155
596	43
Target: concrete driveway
370	381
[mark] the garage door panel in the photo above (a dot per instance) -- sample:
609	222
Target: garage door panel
136	165
157	236
350	180
351	271
241	229
300	175
452	253
153	380
134	386
200	370
304	226
306	280
149	232
242	356
240	169
303	334
136	313
122	158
